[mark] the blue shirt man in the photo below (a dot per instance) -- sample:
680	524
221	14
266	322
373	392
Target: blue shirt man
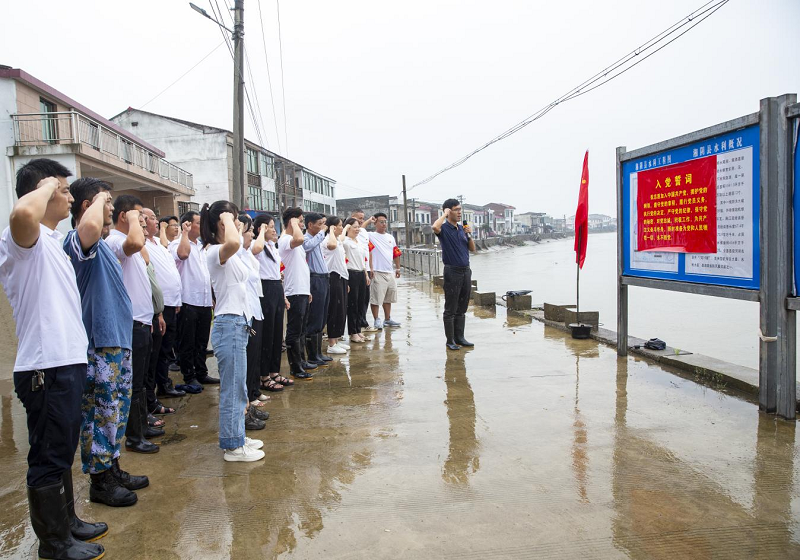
455	244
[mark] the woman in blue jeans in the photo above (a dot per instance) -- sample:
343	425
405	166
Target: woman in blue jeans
231	330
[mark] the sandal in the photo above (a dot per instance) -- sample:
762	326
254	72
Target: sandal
154	422
271	385
277	378
161	409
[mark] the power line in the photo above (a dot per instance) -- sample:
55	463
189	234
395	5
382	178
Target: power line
212	51
255	94
283	81
694	18
269	77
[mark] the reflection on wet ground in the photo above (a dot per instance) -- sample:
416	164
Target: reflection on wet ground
531	445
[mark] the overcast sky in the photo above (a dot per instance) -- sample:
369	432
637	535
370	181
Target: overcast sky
377	89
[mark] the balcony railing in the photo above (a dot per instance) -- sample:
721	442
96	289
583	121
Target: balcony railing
71	127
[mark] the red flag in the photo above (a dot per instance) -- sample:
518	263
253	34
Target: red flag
582	215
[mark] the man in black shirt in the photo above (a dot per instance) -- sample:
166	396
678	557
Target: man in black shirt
456	241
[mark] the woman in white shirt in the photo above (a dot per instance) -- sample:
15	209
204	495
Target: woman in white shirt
335	261
231	330
357	279
255	418
273	304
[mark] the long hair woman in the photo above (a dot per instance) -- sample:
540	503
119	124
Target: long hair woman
231	330
255	417
357	279
336	261
273	303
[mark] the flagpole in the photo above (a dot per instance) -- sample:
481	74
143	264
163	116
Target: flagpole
578	282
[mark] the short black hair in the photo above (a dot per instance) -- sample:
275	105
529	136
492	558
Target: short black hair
82	189
167	219
450	203
29	175
291	212
260	220
357	211
246	220
124	203
332	221
380	215
312	217
188	216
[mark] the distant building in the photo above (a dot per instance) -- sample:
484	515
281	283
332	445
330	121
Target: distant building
532	222
273	182
597	222
502	218
37	120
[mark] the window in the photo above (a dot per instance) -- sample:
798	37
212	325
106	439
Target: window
252	161
49	123
255	198
267	166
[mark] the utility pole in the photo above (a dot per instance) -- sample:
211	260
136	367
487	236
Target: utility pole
239	183
405	214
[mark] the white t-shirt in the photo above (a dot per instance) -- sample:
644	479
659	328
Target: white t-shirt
353	253
41	287
230	283
296	275
254	290
335	259
134	276
269	269
382	254
195	281
167	275
363	243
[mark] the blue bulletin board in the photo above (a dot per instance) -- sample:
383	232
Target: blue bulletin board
737	260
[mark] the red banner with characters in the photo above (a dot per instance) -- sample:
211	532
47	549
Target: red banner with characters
676	207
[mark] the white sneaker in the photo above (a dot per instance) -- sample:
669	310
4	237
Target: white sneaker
335	349
253	443
370	329
243	454
378	324
341	344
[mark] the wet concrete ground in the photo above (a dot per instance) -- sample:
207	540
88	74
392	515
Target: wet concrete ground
532	445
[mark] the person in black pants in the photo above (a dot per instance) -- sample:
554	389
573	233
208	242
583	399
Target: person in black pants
317	315
357	279
456	242
273	304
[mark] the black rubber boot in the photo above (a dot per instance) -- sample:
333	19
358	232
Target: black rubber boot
106	489
458	333
258	413
137	424
127	480
295	363
310	354
81	530
253	423
168	391
448	332
318	345
50	520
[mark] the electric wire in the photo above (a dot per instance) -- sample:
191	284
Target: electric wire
269	76
695	18
283	81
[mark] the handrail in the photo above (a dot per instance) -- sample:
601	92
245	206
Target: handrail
74	127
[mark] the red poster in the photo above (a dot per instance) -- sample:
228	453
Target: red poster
677	207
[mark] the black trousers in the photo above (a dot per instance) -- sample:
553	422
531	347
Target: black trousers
272	306
140	357
317	314
54	420
195	330
337	305
355	313
363	306
254	344
150	377
167	346
295	318
457	289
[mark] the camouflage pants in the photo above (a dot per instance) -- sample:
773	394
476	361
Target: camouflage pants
105	407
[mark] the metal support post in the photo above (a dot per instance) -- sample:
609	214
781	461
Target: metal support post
239	194
777	359
405	213
622	289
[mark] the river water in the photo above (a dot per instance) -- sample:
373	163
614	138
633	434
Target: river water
717	327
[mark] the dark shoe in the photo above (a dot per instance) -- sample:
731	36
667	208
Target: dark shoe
81	530
127	480
106	489
311	353
448	332
158	408
168	391
258	413
143	446
253	423
320	355
452	346
295	363
458	332
51	524
174	366
302	375
208	380
151	432
154	422
192	386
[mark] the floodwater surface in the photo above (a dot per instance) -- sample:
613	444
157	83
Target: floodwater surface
531	445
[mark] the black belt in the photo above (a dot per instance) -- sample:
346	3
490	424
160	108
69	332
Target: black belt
320	274
140	324
457	267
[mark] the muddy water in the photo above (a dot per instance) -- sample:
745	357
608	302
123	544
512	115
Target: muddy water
722	328
532	445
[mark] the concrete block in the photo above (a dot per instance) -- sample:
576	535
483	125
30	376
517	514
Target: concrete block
484	298
438	281
472	293
553	312
586	317
475	283
519	303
